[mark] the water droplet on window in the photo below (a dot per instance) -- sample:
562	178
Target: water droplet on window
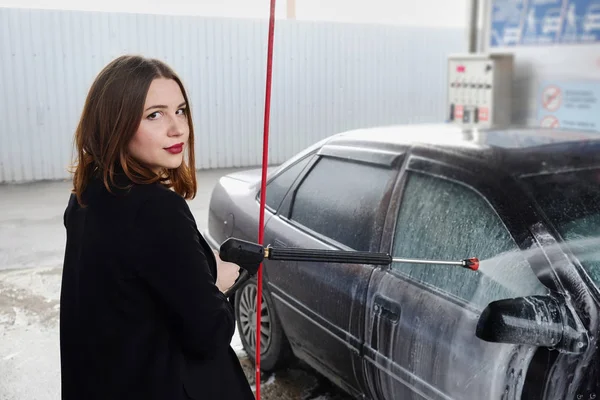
579	396
580	345
593	396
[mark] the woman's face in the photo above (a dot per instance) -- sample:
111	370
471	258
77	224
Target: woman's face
164	131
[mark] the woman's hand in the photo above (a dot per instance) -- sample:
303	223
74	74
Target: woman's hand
227	273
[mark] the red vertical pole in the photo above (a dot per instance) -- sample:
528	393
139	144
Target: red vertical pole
263	189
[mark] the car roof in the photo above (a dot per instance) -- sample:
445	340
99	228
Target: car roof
518	151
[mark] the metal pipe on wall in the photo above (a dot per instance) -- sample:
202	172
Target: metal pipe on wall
473	25
484	14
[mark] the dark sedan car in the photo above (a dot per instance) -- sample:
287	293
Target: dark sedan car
525	202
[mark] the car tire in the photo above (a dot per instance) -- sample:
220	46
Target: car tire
275	351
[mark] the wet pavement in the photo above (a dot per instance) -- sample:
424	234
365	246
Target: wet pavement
298	382
32	241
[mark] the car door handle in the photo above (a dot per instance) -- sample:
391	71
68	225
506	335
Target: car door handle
386	308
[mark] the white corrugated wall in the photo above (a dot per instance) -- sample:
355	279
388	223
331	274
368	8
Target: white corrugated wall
327	78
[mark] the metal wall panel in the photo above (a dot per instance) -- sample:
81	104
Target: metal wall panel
327	77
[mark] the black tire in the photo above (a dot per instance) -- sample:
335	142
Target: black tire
275	351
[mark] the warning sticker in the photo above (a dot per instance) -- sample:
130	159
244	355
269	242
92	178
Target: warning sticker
570	105
551	98
550	122
459	112
484	114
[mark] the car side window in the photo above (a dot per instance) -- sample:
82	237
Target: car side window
443	220
279	186
339	199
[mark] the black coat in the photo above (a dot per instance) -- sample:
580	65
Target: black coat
140	314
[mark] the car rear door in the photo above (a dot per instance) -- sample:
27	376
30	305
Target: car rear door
421	319
339	204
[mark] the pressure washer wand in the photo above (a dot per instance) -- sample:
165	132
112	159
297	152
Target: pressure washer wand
250	255
470	263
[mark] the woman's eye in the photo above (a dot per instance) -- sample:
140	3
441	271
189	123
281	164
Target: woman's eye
182	111
154	115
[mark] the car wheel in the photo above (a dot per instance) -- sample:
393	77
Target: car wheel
275	351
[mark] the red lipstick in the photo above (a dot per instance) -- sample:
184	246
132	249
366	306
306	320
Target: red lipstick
175	149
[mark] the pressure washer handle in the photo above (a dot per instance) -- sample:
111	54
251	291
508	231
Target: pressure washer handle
244	276
331	256
250	255
247	255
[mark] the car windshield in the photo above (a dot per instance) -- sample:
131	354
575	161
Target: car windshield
571	201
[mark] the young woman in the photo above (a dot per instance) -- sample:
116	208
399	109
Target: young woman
140	314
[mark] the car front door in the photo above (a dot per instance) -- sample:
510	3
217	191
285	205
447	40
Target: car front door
338	204
421	319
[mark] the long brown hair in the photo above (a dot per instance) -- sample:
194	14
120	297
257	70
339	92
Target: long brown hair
111	116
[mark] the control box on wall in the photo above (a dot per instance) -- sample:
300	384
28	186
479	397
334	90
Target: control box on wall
480	89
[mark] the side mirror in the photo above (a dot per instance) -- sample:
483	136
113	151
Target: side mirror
543	321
